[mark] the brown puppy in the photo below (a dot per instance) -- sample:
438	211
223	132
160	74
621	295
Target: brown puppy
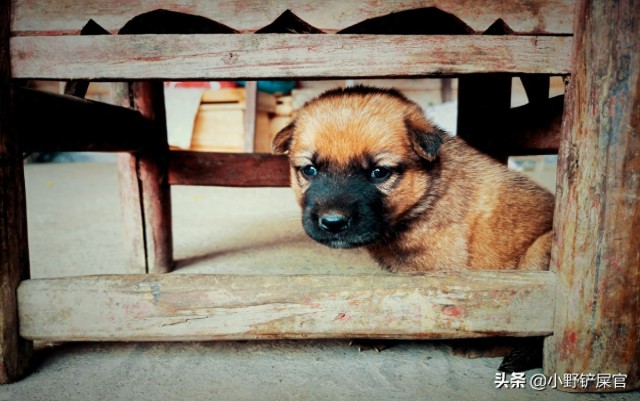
370	170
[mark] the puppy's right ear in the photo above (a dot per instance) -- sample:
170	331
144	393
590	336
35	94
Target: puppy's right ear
426	138
282	140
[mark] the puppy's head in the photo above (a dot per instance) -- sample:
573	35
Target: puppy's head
360	160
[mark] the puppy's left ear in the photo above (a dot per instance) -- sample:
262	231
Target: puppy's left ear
426	138
282	140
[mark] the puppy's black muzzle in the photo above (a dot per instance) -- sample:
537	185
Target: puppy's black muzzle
343	211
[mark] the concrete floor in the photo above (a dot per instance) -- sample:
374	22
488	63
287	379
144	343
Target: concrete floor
75	228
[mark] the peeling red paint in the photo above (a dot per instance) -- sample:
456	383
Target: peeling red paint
452	310
568	345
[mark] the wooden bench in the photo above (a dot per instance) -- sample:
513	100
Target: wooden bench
588	304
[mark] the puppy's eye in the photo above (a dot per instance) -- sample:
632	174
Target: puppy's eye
309	170
380	174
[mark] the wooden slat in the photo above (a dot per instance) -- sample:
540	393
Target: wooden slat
47	122
524	16
596	248
15	351
228	169
229	56
532	131
207	307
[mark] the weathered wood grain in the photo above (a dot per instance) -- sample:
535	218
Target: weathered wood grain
228	169
206	307
14	252
49	122
537	17
228	56
152	169
597	241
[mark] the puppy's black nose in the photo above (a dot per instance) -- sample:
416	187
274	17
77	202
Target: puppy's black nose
334	222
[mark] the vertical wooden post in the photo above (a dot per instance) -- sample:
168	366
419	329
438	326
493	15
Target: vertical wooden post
14	252
145	194
153	167
596	250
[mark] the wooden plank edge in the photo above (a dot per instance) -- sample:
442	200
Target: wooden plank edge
275	56
178	307
228	169
48	122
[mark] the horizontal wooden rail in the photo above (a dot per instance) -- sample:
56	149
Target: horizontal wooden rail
208	307
273	56
536	17
66	123
48	122
228	169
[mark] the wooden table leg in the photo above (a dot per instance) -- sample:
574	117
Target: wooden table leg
596	251
153	167
144	186
14	252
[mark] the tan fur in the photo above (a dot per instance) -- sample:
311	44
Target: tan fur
467	212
